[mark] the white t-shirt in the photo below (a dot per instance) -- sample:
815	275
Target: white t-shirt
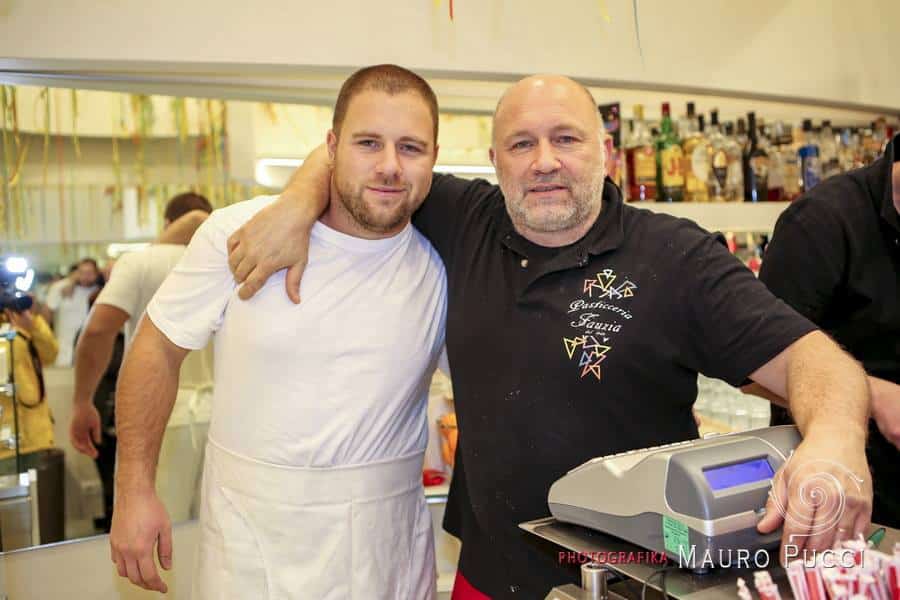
340	379
135	278
69	313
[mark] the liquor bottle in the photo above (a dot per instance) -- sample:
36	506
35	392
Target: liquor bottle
850	153
741	134
755	165
774	147
640	160
687	123
734	190
810	167
670	161
717	181
696	159
790	162
828	151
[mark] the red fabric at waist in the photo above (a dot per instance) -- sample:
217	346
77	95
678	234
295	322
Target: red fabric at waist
463	590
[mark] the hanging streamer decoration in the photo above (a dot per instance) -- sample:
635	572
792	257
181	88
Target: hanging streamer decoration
269	110
210	154
45	161
179	114
604	11
60	161
75	124
437	3
117	129
142	113
5	166
226	166
21	152
637	28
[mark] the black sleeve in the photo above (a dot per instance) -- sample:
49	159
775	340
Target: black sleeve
805	261
731	323
448	205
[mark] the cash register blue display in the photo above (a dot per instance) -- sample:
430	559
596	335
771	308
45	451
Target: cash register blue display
728	476
693	498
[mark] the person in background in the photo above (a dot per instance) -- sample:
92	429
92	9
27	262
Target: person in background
835	258
121	304
33	347
69	303
577	327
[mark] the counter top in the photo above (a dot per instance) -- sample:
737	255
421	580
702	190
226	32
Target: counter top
681	584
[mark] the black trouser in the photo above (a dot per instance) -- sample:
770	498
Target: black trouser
106	465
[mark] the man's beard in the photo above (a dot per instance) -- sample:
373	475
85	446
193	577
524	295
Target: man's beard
584	197
379	222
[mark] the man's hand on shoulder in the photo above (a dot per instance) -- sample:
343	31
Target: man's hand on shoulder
277	237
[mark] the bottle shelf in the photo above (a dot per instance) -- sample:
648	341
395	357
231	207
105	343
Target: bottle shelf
725	216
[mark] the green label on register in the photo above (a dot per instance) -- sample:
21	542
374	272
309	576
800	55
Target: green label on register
675	535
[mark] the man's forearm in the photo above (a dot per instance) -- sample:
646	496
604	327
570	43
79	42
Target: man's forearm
756	389
182	229
827	389
92	356
148	383
309	185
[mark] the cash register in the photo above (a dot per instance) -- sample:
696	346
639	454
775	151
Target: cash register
697	501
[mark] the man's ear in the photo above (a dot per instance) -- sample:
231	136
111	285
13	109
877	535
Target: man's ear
492	157
331	142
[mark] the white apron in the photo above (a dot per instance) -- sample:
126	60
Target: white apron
269	532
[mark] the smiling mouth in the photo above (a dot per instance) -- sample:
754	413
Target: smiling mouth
385	190
547	187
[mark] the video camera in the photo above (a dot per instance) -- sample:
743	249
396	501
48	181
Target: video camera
16	278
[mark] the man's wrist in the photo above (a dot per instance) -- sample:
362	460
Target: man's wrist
79	400
134	479
841	432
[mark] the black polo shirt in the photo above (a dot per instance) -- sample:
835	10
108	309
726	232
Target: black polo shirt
560	355
835	257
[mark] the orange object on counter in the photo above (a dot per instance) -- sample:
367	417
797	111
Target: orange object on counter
449	433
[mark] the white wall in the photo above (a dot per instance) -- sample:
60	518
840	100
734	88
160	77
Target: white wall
835	51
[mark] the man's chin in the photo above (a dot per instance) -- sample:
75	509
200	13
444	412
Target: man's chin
549	221
382	224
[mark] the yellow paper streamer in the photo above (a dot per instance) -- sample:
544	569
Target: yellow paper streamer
75	123
45	94
604	11
7	157
116	159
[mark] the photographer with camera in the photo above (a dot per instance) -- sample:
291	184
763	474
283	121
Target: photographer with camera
24	412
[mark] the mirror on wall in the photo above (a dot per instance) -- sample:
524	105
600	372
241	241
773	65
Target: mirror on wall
86	177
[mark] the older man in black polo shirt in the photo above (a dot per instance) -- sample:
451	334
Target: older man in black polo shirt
835	257
576	328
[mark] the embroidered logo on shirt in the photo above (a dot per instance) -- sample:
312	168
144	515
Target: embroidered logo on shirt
597	327
603	284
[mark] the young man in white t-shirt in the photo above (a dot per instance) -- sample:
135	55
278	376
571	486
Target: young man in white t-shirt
121	303
312	482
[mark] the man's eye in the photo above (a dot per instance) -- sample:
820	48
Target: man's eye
368	143
410	149
522	144
566	139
